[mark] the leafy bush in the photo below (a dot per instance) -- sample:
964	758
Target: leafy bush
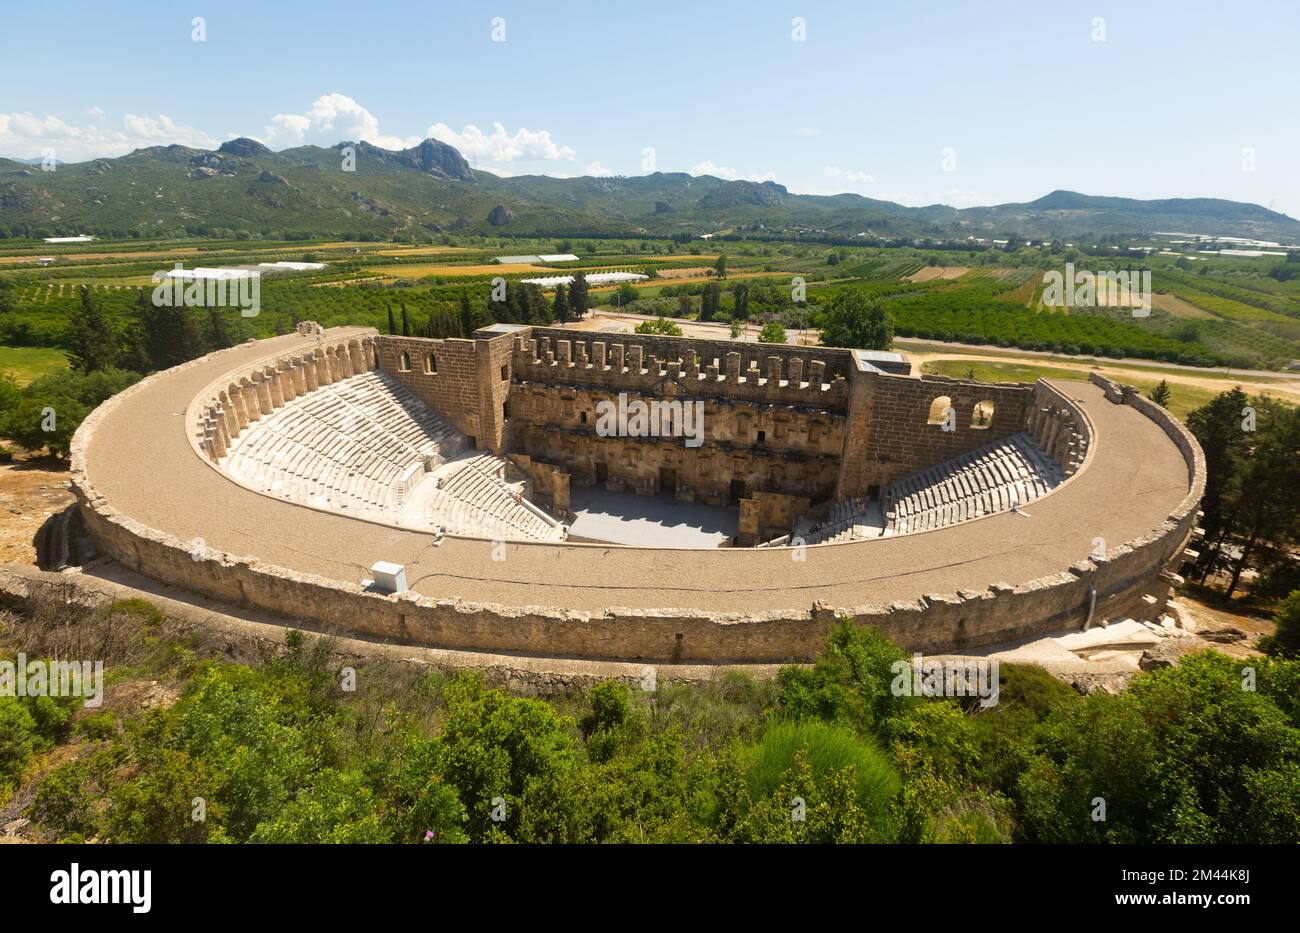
660	325
1285	642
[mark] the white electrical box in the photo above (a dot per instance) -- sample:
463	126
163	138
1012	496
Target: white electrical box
391	578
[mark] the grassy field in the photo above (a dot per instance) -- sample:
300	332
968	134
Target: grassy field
1183	399
27	363
1229	378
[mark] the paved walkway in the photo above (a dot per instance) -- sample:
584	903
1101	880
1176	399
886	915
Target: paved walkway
140	460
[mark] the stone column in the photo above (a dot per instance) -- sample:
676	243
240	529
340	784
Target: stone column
285	378
252	408
733	365
773	371
226	416
305	374
565	348
319	366
264	403
817	374
796	372
218	417
635	355
210	444
272	381
616	357
294	371
598	353
236	396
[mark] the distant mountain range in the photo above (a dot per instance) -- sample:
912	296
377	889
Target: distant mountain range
310	190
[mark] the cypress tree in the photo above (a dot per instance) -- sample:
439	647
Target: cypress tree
578	295
466	314
561	304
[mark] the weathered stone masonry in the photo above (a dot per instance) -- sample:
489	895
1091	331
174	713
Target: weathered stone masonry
1132	578
810	424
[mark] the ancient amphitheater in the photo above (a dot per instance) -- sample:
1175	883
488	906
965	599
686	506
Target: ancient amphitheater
826	483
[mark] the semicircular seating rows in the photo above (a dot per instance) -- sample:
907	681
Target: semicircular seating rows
363	445
995	477
356	445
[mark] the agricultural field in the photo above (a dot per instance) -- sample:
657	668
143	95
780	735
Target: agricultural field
1218	313
28	363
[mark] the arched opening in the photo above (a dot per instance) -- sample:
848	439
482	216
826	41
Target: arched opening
404	362
939	410
430	365
981	416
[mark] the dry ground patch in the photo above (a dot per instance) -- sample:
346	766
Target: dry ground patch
31	490
930	273
422	270
1178	307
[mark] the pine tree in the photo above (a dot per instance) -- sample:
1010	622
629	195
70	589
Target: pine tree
392	325
1160	394
89	337
406	322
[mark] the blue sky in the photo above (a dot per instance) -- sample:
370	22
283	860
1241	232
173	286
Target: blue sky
1184	99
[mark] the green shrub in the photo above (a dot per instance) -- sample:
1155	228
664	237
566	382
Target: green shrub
18	741
1285	642
850	681
810	782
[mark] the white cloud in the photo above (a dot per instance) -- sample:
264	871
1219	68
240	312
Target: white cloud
332	118
848	175
96	112
25	136
730	174
597	170
807	131
524	145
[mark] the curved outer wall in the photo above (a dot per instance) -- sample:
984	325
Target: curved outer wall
1131	580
